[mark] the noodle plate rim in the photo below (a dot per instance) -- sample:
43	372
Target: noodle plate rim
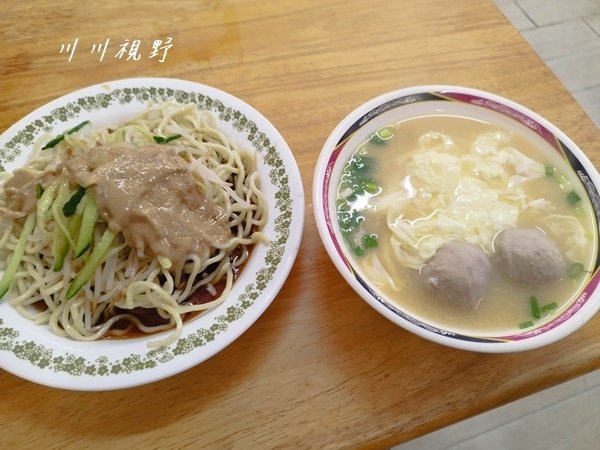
35	354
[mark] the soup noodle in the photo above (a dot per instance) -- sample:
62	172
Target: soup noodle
419	184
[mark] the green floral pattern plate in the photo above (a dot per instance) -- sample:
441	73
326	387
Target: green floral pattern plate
34	353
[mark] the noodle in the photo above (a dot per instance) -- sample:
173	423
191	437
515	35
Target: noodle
127	280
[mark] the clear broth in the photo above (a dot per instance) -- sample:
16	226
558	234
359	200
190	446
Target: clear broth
506	303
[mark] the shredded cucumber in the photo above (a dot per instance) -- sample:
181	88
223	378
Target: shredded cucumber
95	259
44	204
60	245
17	256
62	197
86	231
59	248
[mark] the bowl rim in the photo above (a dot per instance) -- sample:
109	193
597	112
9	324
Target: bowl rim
582	310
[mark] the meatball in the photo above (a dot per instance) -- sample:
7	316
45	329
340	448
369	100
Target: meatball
528	256
458	272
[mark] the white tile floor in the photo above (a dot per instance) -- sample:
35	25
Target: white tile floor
565	417
566	35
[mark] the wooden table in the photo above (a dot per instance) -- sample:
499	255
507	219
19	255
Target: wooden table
320	369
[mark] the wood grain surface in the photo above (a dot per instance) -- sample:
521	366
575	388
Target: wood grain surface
320	369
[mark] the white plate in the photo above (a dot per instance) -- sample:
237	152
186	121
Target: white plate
31	351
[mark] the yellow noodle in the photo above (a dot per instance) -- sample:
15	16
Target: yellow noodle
126	279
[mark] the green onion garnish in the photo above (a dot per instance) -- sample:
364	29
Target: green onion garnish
70	207
358	251
575	270
357	180
165	140
358	166
384	133
370	187
61	137
53	142
535	307
527	324
573	198
376	139
549	307
76	128
370	241
549	170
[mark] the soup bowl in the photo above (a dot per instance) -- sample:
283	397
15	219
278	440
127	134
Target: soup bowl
372	120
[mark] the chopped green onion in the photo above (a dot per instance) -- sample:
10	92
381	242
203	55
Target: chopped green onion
549	170
17	256
61	137
165	140
70	207
76	128
172	138
573	198
549	307
348	221
370	187
39	190
384	133
54	142
357	180
535	307
575	270
527	324
370	241
360	164
352	197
